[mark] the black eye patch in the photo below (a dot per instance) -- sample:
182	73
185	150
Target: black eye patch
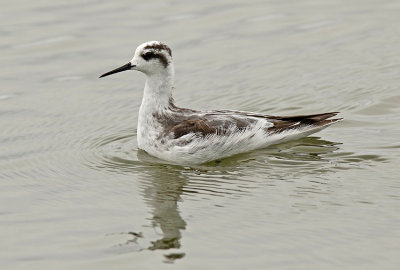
149	55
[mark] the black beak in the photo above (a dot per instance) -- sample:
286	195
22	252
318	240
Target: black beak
123	68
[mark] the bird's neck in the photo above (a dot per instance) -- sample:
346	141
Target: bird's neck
157	91
156	100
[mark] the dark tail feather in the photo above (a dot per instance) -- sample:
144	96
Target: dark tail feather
313	118
328	122
282	123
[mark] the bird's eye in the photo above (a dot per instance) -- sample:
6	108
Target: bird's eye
147	56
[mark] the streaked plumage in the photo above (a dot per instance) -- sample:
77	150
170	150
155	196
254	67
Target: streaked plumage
186	136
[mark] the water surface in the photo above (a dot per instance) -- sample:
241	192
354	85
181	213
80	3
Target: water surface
76	193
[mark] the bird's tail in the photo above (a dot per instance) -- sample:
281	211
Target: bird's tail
296	127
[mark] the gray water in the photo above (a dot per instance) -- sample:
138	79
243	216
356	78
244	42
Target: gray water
76	193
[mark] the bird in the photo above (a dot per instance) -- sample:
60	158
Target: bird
186	136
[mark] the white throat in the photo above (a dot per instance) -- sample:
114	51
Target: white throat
157	90
156	98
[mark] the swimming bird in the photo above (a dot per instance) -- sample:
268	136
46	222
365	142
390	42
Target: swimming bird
187	136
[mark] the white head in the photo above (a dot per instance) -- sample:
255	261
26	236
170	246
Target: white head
151	58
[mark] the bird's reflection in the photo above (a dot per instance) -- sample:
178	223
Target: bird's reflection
163	195
162	187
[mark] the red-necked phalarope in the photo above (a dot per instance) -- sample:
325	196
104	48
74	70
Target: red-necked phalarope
186	136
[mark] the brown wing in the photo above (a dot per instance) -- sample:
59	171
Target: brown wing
193	126
280	123
185	121
209	124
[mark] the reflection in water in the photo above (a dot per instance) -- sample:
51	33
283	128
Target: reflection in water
162	193
163	185
162	189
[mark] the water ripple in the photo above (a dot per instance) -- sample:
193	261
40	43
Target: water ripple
117	153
